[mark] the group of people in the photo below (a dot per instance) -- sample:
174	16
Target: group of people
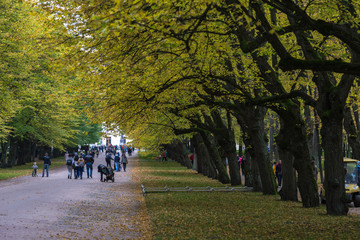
47	163
78	162
118	160
162	156
277	168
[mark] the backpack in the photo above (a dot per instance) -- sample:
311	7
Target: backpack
69	162
81	163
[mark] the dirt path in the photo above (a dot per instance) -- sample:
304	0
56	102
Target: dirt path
61	208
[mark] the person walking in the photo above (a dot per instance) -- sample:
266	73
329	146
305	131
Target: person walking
47	163
69	165
76	168
108	159
164	155
34	167
124	160
117	162
89	161
81	164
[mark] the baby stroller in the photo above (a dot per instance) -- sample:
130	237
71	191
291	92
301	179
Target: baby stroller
108	173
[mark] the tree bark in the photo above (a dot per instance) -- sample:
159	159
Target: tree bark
226	140
271	138
4	148
292	138
331	132
318	146
204	164
215	158
253	126
353	138
13	152
288	190
177	151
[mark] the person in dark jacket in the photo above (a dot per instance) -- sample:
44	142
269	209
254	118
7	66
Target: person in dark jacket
47	163
89	161
117	162
108	159
278	172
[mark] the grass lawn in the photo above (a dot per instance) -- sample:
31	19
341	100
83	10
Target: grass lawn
23	170
232	215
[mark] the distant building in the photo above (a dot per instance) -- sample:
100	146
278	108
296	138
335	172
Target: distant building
114	140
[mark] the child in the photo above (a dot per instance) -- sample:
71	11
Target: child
34	167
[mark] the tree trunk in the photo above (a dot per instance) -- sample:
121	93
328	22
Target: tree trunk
226	140
252	176
13	152
292	138
177	151
271	138
355	110
204	164
288	190
254	121
318	146
352	132
33	152
215	158
331	133
4	148
24	152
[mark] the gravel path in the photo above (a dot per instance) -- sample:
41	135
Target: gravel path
61	208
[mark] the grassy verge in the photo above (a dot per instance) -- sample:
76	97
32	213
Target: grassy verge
24	170
215	215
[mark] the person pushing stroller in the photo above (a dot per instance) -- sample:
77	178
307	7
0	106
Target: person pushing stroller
106	173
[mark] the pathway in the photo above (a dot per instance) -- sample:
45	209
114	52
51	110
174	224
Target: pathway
61	208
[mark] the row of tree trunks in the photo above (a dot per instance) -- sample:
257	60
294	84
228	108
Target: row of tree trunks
215	157
252	175
15	151
294	131
225	138
292	139
177	151
4	148
251	120
204	164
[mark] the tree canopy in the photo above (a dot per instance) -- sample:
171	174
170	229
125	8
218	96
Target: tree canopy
162	70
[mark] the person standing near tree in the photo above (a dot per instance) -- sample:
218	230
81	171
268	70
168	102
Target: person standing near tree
243	164
164	155
278	171
47	163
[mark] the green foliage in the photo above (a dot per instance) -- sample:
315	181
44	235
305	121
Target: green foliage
36	103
